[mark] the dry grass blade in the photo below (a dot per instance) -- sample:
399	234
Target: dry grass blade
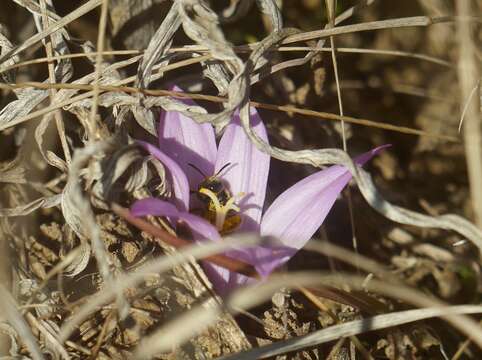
404	216
363	179
367	26
57	114
193	322
13	172
467	104
27	99
18	322
330	6
92	124
69	56
158	46
44	111
34	8
220	260
49	335
22	210
387	52
116	86
127	288
351	328
156	266
362	262
64	263
79	215
469	74
283	108
176	332
81	10
270	8
348	119
249	297
201	49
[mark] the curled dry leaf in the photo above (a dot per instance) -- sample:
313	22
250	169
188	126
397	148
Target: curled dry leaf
8	330
158	46
127	162
22	210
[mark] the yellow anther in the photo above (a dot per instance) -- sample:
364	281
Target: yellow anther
230	205
221	211
218	208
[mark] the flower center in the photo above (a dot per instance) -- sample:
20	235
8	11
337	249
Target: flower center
223	216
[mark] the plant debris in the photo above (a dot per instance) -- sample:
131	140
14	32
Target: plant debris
394	271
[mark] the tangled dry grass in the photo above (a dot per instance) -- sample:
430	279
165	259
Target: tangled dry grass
82	80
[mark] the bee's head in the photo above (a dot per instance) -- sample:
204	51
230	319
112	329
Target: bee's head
213	184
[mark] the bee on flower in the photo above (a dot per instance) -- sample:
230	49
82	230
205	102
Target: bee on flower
221	188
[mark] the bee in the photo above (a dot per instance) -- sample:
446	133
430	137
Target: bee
215	185
220	209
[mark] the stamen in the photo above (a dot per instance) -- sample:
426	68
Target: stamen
221	211
230	205
217	206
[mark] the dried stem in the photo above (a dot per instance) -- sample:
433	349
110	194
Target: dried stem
81	10
283	108
59	122
92	124
201	49
469	75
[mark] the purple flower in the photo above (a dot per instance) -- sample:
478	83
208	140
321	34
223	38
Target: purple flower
286	226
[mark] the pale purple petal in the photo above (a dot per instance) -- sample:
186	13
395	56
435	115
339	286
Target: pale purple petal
298	212
263	258
248	172
180	184
201	228
225	280
154	207
222	279
268	257
187	142
365	157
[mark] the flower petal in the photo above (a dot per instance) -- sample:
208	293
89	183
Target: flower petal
154	207
365	157
225	280
188	142
298	212
248	172
179	180
201	228
268	257
261	257
222	279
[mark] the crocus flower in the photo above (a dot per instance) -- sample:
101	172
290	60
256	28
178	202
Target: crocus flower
286	225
